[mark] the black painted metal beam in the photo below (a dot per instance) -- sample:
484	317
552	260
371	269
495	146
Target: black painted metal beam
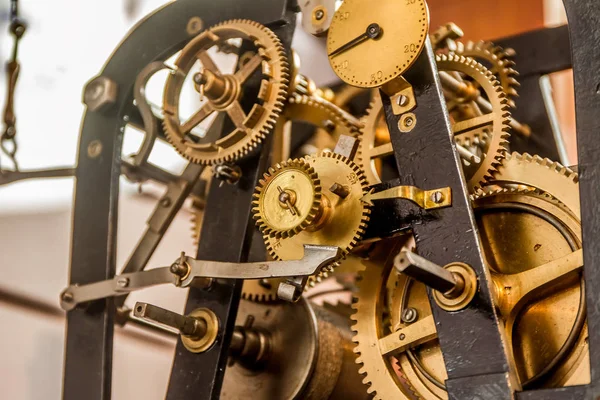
470	339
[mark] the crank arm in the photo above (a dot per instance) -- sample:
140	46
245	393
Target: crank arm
186	270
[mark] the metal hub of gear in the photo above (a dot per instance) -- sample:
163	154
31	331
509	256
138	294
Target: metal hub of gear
531	242
288	199
488	131
223	93
342	216
497	60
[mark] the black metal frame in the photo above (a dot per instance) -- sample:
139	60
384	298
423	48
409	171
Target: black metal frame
483	369
89	338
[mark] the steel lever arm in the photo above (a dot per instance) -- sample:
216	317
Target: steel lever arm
186	269
7	177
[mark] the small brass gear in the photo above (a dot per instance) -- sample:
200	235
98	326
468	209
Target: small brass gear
342	219
497	60
329	120
223	93
287	199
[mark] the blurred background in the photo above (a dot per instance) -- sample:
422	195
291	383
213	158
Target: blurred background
66	44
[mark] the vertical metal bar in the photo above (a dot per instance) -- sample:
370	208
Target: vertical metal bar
88	354
474	352
227	233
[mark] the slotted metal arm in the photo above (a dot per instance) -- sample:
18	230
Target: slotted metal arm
186	270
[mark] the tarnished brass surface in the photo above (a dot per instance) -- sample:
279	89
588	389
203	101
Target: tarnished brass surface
223	93
342	221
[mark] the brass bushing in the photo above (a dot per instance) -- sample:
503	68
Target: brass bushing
202	343
458	300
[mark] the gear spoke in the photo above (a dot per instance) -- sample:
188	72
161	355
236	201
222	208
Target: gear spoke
409	337
237	115
248	69
525	285
204	112
208	62
472	124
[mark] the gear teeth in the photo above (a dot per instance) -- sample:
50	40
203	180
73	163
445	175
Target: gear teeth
498	141
264	38
503	66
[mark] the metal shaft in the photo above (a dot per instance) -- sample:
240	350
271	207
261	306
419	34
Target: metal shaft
187	326
425	271
457	87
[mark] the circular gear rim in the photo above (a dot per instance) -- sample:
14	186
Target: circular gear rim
498	136
258	205
275	68
503	66
359	230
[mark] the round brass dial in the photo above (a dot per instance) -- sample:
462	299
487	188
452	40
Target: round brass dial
373	42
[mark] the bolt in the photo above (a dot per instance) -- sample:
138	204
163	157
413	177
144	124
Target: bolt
329	125
194	26
402	336
94	91
410	315
123	282
319	14
340	190
165	202
178	269
94	149
67	297
437	197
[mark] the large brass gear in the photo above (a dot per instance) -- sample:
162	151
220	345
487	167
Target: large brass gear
223	93
515	239
497	60
329	120
342	218
491	135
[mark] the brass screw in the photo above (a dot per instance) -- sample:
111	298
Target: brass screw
402	100
194	26
437	197
94	149
407	122
402	336
410	315
319	14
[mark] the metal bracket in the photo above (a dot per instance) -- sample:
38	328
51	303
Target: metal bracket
426	199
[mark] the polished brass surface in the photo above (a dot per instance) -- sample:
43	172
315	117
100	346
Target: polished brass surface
458	299
224	91
426	199
199	344
403	29
342	221
532	247
288	199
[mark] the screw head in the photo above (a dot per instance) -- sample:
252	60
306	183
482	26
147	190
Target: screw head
123	282
165	202
319	14
402	100
402	336
94	149
67	297
437	197
410	315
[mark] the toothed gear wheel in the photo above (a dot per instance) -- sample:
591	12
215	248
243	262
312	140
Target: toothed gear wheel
492	127
485	136
341	221
287	199
497	60
224	91
517	237
331	122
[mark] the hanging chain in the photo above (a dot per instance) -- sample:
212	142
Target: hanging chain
8	142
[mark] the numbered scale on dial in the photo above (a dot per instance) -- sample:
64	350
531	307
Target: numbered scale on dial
390	34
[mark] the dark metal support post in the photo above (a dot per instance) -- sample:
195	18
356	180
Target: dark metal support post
470	339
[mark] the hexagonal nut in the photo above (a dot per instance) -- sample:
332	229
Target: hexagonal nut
100	93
